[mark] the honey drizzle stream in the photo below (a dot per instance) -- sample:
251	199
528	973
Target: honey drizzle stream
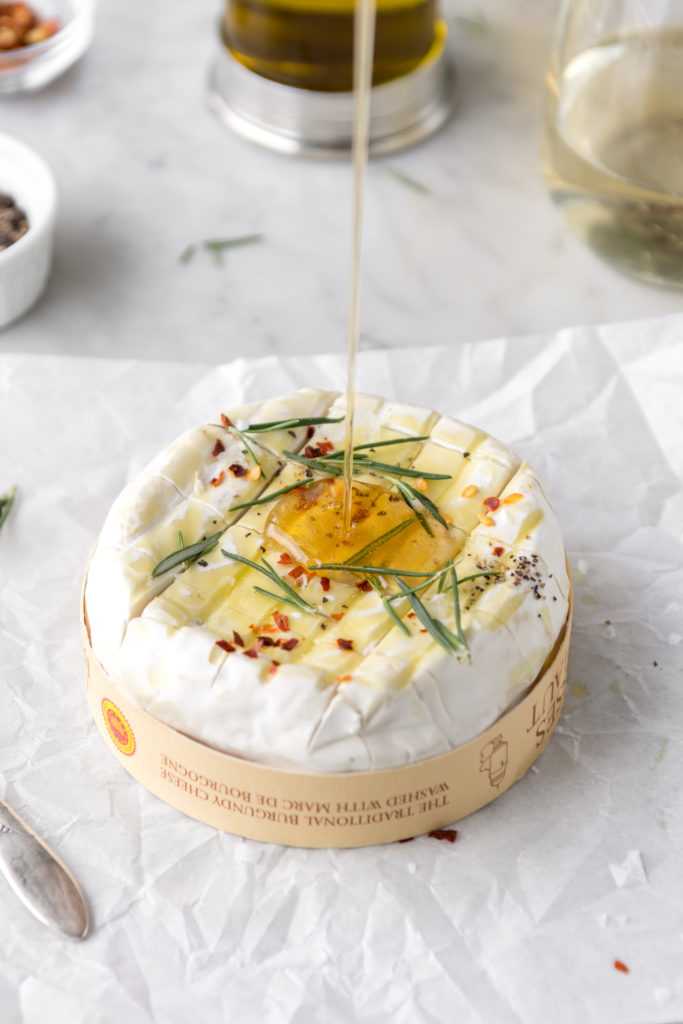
363	47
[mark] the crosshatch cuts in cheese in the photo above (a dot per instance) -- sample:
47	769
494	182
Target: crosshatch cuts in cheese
284	678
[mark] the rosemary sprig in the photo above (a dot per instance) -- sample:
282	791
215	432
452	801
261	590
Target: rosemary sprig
408	493
388	470
378	542
401	176
456	607
339	452
422	498
217	246
370	570
244	441
187	554
181	542
289	595
330	469
437	630
6	502
271	497
440	574
391	612
293	424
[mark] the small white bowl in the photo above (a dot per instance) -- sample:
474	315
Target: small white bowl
25	265
32	67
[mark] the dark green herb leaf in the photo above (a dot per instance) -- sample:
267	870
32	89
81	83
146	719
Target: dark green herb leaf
187	554
6	502
217	246
389	470
391	612
301	484
443	636
407	493
187	254
268	571
293	424
329	469
377	542
401	176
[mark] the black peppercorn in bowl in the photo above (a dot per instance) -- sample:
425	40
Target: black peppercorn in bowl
40	40
28	200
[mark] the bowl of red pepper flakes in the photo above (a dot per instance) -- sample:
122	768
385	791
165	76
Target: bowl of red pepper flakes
37	44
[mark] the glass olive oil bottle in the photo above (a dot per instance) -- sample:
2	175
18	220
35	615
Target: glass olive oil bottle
309	43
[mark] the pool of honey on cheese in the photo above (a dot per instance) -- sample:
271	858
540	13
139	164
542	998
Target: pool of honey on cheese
343	688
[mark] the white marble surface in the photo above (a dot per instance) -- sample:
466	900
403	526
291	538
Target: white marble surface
144	168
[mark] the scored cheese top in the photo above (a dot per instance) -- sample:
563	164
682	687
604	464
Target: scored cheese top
345	689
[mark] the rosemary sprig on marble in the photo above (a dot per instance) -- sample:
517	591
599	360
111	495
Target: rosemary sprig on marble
6	502
217	246
406	179
186	555
288	594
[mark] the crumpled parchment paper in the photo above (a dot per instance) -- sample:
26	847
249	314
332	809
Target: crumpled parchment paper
524	916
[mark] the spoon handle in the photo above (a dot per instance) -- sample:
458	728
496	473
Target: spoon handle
39	878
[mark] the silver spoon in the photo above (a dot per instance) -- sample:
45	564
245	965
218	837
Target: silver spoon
39	878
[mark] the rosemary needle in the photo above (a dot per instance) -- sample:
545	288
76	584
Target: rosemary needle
6	501
187	554
401	176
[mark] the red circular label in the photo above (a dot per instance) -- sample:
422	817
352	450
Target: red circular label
118	728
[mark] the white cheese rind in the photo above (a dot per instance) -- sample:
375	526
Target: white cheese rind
389	700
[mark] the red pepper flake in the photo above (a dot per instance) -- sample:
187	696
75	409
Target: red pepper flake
289	645
225	646
297	571
492	503
343	679
364	585
237	638
498	550
218	448
268	628
410	615
449	834
266	641
216	481
274	666
225	420
423	631
408	840
281	621
337	615
310	432
325	583
254	649
285	558
326	446
345	645
619	965
238	470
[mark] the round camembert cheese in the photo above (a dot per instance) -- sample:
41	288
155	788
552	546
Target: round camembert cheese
209	648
